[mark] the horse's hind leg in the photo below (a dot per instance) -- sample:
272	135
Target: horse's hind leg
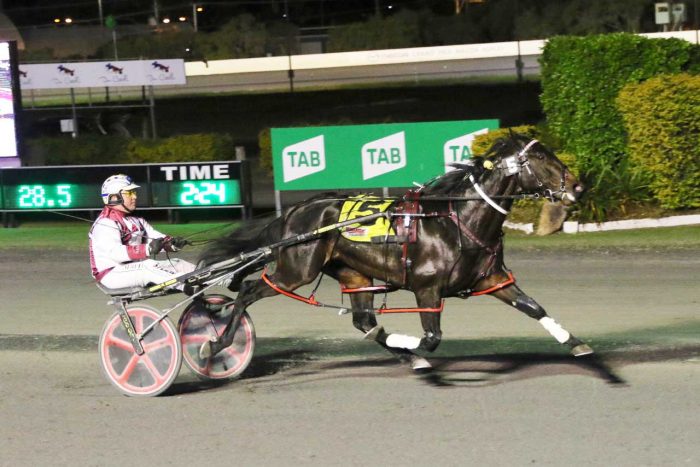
250	292
365	320
515	297
296	266
399	343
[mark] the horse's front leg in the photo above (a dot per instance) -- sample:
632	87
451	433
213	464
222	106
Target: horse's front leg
515	297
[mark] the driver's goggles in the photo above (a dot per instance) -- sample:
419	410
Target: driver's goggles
130	193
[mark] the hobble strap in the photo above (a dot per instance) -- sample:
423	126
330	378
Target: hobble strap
310	301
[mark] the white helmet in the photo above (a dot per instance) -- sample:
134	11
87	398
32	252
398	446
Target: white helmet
114	185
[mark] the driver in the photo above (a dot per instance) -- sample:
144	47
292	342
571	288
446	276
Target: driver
121	243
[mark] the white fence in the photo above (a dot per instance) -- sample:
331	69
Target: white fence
388	56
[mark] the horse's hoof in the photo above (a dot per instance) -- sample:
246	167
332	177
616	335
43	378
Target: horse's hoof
581	350
373	333
420	364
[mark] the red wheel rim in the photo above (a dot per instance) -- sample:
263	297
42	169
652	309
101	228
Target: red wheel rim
198	326
150	373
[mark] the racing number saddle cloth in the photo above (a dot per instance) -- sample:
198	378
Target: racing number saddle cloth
381	230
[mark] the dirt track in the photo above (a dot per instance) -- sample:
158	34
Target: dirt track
503	392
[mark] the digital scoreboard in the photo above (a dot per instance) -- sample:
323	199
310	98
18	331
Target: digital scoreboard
163	186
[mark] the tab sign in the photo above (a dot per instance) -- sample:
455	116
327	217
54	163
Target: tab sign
304	158
384	155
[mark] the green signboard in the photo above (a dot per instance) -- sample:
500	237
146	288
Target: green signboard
370	156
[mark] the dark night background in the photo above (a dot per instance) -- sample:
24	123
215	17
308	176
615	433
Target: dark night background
305	13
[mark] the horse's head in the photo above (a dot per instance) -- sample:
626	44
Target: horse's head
536	168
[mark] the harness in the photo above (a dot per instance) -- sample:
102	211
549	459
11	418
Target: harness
408	210
405	225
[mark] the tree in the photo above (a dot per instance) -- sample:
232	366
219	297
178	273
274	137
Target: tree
541	19
398	31
241	37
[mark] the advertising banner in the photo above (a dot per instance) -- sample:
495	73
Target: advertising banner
370	156
103	74
9	154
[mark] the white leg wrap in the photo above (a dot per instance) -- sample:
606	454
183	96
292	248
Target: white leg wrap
401	341
559	333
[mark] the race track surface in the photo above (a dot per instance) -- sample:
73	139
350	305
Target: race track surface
502	392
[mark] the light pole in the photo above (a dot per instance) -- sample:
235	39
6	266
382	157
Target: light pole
196	9
155	11
99	8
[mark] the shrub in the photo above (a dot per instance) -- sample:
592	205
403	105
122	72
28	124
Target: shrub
199	147
86	150
581	78
105	150
397	31
265	146
662	119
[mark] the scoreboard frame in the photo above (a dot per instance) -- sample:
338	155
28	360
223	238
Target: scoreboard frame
164	186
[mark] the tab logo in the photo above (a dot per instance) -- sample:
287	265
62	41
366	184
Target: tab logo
384	155
304	158
460	148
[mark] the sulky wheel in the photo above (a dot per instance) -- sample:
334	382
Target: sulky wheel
152	372
198	325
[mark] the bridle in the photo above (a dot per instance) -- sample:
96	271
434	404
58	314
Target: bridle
518	165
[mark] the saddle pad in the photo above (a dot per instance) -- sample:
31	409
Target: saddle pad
365	205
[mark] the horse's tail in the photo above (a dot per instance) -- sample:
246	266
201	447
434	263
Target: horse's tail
246	236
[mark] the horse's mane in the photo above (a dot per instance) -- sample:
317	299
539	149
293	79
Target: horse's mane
457	178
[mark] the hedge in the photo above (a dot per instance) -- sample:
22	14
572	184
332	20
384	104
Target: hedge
662	119
198	147
581	78
87	150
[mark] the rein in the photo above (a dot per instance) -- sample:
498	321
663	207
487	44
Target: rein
189	242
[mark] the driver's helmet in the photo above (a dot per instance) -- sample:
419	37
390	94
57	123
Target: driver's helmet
114	185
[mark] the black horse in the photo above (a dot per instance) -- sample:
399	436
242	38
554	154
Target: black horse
456	250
